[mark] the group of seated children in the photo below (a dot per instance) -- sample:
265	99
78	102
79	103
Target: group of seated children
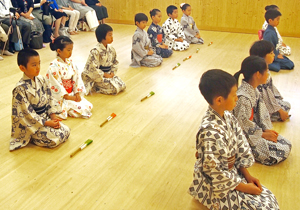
149	49
39	104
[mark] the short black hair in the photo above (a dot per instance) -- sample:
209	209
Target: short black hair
24	56
140	17
272	14
102	31
170	9
261	48
272	6
215	83
60	43
153	12
183	7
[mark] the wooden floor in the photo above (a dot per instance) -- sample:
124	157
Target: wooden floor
143	158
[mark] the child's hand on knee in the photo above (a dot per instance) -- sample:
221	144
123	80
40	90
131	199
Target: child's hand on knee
270	135
53	123
280	56
150	52
107	75
78	98
283	115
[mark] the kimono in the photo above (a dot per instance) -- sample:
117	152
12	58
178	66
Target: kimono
273	99
141	44
282	50
222	150
190	30
32	105
173	30
285	63
254	118
157	37
64	79
102	60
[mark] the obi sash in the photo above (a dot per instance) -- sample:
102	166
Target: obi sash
68	85
105	68
231	162
40	110
252	113
159	38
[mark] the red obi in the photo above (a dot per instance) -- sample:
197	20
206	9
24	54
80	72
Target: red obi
159	38
67	83
252	112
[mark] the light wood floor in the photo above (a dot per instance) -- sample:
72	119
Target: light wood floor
142	159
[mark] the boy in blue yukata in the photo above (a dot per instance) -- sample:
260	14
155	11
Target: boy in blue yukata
272	16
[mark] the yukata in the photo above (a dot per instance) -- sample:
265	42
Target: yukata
190	30
222	150
173	30
32	105
273	99
64	79
285	63
254	118
102	60
141	44
157	37
282	50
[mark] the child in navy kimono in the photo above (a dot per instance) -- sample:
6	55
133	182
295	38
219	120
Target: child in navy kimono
277	107
175	38
221	179
142	53
191	32
272	16
34	109
157	36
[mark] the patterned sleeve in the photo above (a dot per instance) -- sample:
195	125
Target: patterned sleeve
167	33
78	86
152	36
195	27
55	83
54	106
242	112
115	62
270	36
138	46
92	66
210	152
180	31
25	121
186	27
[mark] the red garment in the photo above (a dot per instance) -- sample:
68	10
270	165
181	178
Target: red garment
68	85
159	38
252	113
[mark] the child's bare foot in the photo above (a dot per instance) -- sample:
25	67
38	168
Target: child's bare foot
72	33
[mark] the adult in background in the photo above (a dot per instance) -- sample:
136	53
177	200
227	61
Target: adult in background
101	10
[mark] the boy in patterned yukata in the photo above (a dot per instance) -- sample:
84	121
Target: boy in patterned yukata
142	53
101	66
268	147
175	37
190	29
65	81
33	108
221	179
272	16
282	47
277	107
157	36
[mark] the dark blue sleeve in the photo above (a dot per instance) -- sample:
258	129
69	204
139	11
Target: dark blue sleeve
271	37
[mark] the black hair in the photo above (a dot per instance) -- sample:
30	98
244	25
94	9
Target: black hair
170	9
272	6
250	66
60	43
183	7
24	55
102	31
140	17
272	14
153	12
261	48
215	83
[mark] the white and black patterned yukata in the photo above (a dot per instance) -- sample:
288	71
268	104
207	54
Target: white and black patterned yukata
254	118
102	60
273	99
157	37
173	30
223	149
141	44
190	30
32	105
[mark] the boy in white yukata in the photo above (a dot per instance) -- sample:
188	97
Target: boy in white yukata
175	38
277	107
101	66
221	179
142	53
268	147
65	81
191	32
33	108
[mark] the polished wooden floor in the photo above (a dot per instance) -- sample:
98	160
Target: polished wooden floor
143	158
